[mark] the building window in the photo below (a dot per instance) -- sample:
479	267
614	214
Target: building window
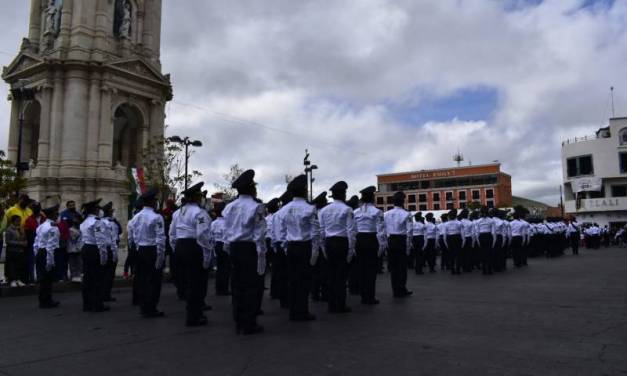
619	191
422	197
462	195
436	206
412	208
490	203
449	196
598	194
425	184
450	206
422	207
623	162
622	136
436	197
462	205
476	195
578	166
489	193
381	208
388	200
411	198
380	200
389	208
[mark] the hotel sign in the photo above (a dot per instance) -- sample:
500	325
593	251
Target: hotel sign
597	204
433	174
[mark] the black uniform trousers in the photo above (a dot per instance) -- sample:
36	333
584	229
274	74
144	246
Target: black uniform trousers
299	277
487	252
320	279
44	279
517	251
245	284
149	279
337	252
190	258
467	255
109	275
419	254
223	272
93	278
397	263
133	264
278	283
430	254
367	248
445	257
575	238
353	276
500	254
455	251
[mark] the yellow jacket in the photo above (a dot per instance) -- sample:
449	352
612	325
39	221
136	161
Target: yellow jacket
15	210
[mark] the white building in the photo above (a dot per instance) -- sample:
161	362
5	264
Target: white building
594	172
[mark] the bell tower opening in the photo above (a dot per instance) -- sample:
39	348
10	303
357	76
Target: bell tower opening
127	124
30	132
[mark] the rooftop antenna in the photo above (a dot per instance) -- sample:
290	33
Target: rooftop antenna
459	158
612	98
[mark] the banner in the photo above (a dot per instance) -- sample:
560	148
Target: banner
138	179
587	185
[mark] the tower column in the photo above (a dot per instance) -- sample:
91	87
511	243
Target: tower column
56	119
13	132
34	29
75	120
91	149
105	137
43	154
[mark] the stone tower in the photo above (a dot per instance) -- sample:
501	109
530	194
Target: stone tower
99	96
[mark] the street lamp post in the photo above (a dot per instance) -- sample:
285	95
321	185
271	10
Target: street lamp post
187	143
309	168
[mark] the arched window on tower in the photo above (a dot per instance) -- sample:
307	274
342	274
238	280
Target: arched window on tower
622	136
30	132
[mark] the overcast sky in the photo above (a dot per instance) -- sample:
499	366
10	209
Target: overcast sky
376	86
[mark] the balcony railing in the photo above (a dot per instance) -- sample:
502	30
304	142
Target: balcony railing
580	139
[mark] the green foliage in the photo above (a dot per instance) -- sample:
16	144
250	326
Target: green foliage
10	182
229	193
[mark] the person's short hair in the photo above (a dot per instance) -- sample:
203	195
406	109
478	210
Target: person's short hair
70	202
14	217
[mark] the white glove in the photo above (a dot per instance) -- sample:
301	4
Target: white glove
207	256
261	263
103	258
351	254
381	251
324	252
49	266
314	256
160	260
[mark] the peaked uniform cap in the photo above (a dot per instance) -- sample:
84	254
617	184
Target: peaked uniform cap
429	215
398	196
285	197
149	194
194	189
92	204
246	179
340	186
321	198
108	206
353	202
273	205
298	184
369	190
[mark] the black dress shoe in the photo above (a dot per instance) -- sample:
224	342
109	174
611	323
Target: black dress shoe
207	307
110	299
101	309
305	317
254	330
195	323
343	310
370	302
152	315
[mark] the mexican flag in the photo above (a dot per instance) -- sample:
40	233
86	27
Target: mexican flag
139	182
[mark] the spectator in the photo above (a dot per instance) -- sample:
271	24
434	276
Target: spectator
30	229
15	264
74	250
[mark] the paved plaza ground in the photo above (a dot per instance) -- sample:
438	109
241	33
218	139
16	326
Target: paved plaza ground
566	316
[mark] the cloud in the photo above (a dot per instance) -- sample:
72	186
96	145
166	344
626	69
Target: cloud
355	82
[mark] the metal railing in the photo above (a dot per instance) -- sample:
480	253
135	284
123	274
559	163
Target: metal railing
580	139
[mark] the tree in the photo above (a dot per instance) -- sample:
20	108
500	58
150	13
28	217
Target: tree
225	188
10	182
164	167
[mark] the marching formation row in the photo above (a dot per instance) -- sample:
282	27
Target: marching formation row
314	249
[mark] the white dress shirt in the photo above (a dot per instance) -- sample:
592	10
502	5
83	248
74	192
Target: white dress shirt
486	225
149	229
369	219
93	233
431	231
192	222
130	231
47	237
111	231
217	230
398	221
269	227
518	227
418	228
338	220
277	237
244	222
299	224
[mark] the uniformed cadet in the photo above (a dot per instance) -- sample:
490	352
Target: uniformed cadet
190	230
445	257
176	266
431	235
95	257
518	234
245	229
112	236
370	244
469	240
501	230
486	236
454	240
45	245
337	224
149	235
132	252
398	228
223	262
272	207
418	240
574	235
278	283
525	248
320	272
353	270
301	230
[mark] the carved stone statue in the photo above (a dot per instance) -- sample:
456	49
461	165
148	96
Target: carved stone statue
51	18
123	19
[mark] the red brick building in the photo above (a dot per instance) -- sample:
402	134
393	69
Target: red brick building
449	188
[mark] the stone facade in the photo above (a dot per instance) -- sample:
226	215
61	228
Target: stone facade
100	96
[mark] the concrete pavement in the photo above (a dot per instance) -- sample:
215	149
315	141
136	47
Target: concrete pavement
565	316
